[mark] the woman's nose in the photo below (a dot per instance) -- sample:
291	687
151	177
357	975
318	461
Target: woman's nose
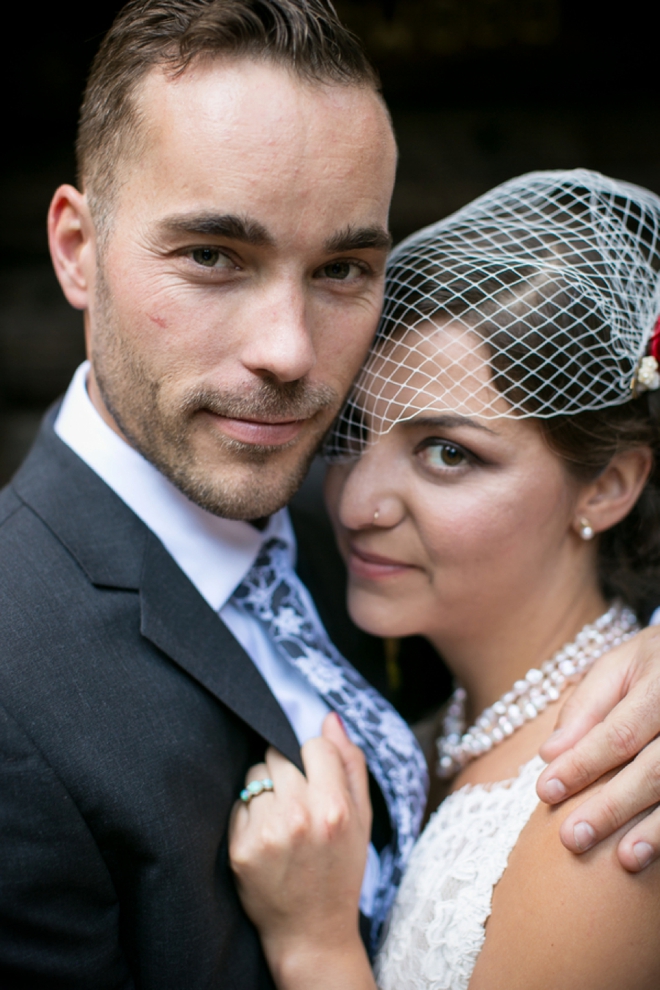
370	495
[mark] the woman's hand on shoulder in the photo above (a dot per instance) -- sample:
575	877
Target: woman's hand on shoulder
299	853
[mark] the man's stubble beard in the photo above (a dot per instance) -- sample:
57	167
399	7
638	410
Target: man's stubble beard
246	481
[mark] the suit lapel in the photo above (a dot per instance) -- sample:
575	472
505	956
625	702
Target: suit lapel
199	642
116	550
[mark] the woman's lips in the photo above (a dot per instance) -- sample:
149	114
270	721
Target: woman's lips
373	566
259	432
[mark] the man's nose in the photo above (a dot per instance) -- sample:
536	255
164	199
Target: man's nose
280	341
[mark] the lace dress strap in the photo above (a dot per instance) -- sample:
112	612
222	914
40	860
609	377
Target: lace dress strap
437	926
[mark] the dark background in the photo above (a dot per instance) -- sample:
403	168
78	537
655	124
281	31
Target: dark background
480	90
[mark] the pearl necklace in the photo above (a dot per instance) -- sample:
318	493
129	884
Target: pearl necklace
458	745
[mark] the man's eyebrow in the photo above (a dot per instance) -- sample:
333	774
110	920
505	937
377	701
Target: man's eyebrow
354	238
448	421
226	225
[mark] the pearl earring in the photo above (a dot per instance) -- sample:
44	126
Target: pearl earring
586	530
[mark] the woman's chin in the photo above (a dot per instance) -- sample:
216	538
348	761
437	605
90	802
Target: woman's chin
378	617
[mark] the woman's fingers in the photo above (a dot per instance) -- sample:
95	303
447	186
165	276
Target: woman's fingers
256	823
299	852
303	812
258	772
354	765
333	764
338	800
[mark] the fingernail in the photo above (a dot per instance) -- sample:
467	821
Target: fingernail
340	720
554	789
557	734
643	853
584	836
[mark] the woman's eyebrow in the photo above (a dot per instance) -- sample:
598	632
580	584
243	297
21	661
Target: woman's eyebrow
448	421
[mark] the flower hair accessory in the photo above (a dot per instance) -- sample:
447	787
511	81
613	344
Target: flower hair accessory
647	372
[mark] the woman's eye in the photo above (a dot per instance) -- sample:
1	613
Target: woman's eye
209	258
443	455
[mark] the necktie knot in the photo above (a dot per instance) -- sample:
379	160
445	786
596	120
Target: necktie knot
264	590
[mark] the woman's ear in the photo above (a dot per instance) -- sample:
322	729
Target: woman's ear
72	244
607	500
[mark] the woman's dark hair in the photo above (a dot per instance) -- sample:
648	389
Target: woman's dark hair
628	553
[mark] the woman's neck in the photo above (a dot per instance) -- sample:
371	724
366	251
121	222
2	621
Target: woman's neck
488	658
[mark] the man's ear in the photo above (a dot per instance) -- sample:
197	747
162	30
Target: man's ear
609	499
72	244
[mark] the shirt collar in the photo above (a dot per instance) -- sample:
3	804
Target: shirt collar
214	553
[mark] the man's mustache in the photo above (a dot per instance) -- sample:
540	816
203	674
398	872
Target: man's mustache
286	401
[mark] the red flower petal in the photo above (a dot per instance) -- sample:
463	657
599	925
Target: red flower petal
654	343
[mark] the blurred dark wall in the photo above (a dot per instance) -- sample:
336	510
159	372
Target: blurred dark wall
480	90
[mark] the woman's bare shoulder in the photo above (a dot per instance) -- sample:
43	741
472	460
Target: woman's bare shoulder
568	922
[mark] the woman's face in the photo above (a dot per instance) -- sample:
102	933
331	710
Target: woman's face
475	513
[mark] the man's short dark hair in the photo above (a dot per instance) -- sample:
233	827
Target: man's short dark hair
305	36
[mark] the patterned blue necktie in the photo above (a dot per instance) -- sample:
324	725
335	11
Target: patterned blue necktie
273	593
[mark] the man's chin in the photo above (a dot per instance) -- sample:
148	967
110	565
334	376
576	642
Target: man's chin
245	489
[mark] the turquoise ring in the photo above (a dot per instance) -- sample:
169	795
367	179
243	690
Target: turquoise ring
254	788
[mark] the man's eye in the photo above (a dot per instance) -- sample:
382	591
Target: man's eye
340	270
209	258
443	455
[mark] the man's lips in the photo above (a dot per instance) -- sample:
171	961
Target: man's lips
265	433
373	566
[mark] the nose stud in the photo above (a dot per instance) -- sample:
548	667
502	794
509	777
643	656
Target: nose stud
376	515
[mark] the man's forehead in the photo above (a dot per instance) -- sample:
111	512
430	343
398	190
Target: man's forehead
245	95
247	150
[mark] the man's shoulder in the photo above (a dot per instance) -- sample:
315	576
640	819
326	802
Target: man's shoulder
50	471
10	504
55	492
24	537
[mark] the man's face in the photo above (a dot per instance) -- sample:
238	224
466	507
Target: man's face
240	282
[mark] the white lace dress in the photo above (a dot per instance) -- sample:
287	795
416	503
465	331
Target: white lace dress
437	926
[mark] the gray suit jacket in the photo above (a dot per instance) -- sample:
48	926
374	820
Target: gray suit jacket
128	718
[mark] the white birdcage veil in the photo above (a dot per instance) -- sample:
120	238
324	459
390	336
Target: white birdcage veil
540	296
